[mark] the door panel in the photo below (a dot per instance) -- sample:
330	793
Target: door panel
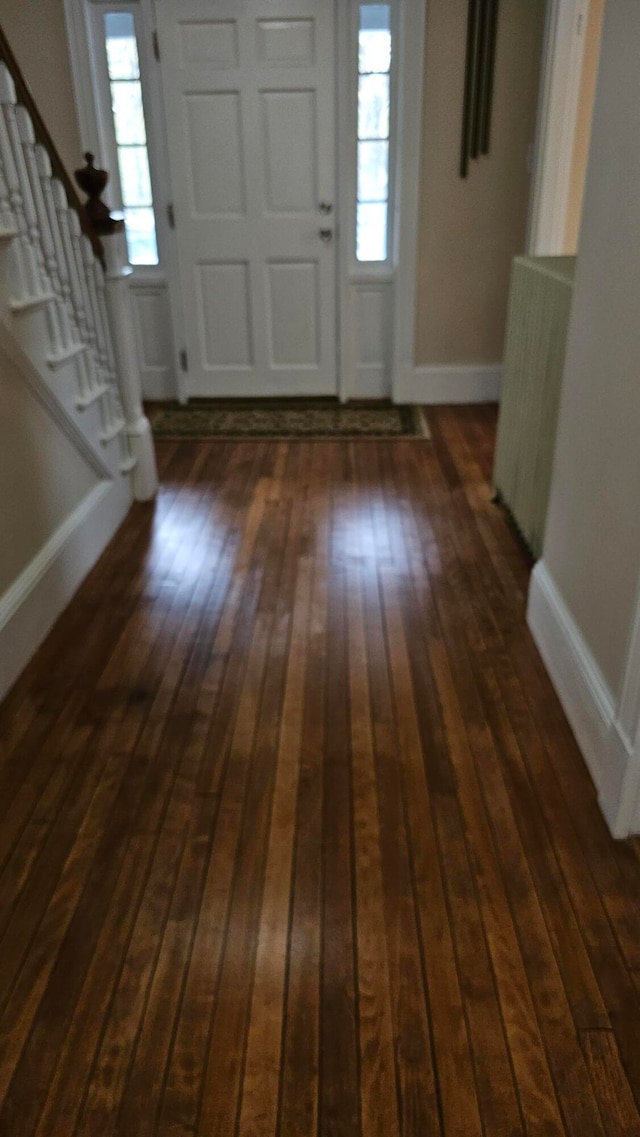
248	87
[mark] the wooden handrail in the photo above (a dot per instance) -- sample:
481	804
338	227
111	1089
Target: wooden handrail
43	136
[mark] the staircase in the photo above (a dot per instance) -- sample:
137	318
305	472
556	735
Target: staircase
77	445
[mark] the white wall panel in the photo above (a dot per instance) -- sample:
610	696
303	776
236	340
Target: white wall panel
152	320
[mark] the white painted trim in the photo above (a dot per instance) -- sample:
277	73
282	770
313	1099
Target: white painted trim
448	384
619	795
75	18
410	54
622	795
344	191
582	690
33	603
563	55
608	736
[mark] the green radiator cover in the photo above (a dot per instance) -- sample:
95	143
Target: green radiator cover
537	324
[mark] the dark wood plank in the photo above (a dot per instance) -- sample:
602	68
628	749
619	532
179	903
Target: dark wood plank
294	837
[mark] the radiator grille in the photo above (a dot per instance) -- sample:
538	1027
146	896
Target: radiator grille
539	307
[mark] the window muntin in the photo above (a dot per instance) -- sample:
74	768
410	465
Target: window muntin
374	102
123	68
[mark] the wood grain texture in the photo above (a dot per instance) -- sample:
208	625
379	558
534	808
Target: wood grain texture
294	837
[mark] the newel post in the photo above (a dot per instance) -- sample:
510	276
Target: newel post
118	297
138	428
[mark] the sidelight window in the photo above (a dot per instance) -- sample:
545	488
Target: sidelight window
125	88
374	118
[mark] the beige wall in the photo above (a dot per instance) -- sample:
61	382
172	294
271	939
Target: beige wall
35	30
592	541
471	229
586	98
43	477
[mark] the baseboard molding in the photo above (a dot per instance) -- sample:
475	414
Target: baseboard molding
437	385
30	607
611	756
585	696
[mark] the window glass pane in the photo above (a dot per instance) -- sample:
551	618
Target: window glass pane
134	176
122	49
128	115
372	232
141	236
375	37
373	106
373	171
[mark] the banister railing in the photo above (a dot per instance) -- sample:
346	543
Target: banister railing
43	136
86	323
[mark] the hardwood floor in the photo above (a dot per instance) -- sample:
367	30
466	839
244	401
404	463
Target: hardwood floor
294	836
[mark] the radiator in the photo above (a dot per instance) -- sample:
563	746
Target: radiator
539	307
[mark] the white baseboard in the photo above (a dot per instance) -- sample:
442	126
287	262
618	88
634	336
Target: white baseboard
30	607
587	700
612	758
436	385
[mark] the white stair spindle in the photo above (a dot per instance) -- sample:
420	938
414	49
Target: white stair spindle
56	202
70	343
25	275
85	315
89	261
73	292
41	229
7	221
11	111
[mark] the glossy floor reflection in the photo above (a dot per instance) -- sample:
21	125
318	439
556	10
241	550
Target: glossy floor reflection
294	836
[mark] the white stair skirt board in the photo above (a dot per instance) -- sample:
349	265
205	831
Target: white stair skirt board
587	702
40	594
436	385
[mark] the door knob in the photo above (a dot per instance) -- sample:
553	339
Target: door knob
326	207
326	235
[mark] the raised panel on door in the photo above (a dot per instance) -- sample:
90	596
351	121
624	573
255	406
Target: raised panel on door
212	43
224	302
286	43
214	128
289	146
249	103
293	298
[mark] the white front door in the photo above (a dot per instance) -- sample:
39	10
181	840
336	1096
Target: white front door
249	101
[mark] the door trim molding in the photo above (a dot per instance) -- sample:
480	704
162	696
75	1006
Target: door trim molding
411	54
562	59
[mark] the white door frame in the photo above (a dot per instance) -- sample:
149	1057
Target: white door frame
410	49
563	55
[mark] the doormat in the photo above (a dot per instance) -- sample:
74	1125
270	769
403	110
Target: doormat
209	419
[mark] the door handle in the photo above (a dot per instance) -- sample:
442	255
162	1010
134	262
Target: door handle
326	207
326	235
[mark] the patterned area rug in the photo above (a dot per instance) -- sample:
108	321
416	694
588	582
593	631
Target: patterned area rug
203	419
